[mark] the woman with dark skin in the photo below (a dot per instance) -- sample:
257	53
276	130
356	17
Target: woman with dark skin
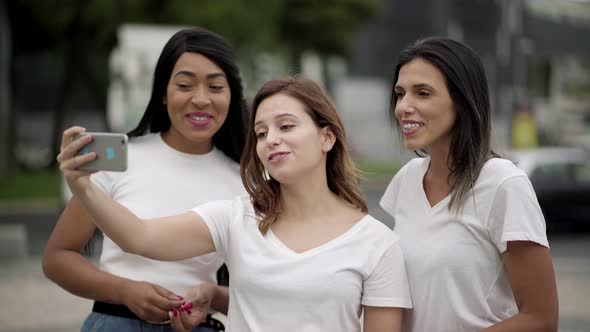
185	151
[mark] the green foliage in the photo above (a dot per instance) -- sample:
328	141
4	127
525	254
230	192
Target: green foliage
30	185
370	168
326	26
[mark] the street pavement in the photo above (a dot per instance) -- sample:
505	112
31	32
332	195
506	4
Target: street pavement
30	302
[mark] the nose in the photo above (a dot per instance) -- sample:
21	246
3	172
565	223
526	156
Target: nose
273	137
200	98
404	106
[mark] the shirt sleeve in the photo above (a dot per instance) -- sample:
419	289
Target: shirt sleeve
387	285
516	215
104	181
389	199
217	215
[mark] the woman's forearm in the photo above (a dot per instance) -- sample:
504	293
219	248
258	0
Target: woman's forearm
77	275
115	220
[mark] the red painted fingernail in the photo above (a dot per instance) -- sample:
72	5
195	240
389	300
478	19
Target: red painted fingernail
179	297
188	312
175	313
188	306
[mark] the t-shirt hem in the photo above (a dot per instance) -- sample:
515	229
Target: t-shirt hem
521	236
391	302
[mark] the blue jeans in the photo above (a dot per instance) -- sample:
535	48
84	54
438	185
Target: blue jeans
96	322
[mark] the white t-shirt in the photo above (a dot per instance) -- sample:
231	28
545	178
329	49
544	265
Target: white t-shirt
457	278
273	288
162	181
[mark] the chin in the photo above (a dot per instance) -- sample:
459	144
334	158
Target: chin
413	146
282	177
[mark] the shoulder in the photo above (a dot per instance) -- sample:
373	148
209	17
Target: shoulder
146	144
496	171
217	156
379	233
414	164
145	140
411	170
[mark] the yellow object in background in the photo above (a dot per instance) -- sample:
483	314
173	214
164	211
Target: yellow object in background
524	130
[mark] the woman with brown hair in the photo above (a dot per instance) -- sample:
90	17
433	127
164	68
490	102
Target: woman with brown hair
301	250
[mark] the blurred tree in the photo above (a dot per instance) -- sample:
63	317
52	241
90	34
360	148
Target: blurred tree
325	26
6	121
80	35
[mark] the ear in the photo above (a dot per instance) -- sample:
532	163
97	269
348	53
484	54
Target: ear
329	139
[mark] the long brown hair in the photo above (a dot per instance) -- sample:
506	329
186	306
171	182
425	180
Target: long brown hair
342	174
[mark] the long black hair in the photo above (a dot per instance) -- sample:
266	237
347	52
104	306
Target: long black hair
230	138
467	84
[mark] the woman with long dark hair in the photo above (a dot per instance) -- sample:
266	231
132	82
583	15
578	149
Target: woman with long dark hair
471	228
184	152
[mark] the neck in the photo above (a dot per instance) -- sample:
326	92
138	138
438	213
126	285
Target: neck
439	164
178	143
308	198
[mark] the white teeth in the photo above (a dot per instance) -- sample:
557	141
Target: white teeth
409	126
199	118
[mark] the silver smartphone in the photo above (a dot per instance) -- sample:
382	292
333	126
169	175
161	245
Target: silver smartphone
110	149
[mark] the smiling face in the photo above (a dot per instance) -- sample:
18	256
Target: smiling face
197	100
289	143
424	108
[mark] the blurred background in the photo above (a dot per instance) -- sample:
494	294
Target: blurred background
90	63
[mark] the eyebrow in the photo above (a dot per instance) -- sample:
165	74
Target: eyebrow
191	74
417	86
282	115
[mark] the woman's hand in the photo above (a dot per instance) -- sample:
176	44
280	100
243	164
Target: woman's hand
150	302
69	162
194	311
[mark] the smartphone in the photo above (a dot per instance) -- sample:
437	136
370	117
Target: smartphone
110	149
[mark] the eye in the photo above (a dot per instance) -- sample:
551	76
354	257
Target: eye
183	86
216	88
399	94
424	93
261	135
286	127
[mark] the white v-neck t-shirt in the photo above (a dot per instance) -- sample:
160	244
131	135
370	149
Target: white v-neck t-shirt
454	263
273	288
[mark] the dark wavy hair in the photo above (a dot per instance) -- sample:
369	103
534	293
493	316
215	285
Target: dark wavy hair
467	84
342	174
230	138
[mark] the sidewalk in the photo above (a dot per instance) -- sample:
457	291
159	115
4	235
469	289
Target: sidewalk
30	302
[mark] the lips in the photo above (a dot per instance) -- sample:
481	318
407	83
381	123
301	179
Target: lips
199	119
410	127
277	156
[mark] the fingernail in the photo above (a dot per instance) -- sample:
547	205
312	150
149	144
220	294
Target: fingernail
188	312
188	306
179	297
175	313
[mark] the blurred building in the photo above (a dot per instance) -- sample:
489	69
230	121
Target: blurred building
536	53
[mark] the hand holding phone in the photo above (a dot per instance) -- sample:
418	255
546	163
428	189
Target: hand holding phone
110	149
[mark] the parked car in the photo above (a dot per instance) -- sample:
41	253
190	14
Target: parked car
561	179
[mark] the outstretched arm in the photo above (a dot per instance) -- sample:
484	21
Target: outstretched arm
171	238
